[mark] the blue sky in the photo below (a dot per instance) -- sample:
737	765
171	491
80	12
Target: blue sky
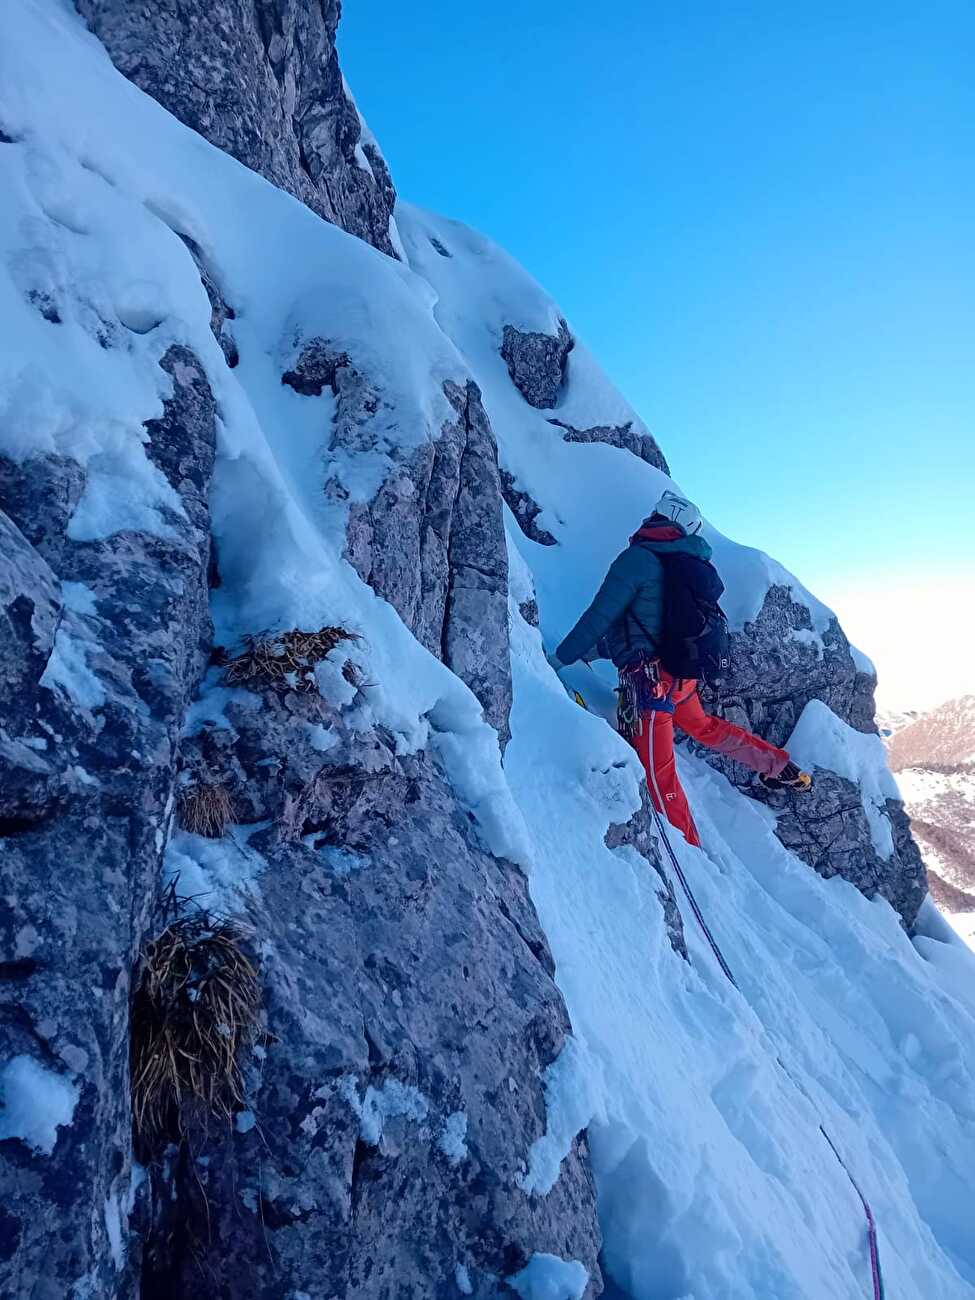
761	219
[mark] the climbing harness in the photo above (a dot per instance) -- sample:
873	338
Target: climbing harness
875	1271
640	692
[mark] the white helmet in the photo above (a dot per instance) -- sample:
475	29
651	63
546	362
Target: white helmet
680	511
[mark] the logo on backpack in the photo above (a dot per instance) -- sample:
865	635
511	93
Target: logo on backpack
694	641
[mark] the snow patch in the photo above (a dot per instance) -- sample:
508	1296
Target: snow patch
113	1227
34	1103
452	1140
547	1277
67	671
216	873
379	1105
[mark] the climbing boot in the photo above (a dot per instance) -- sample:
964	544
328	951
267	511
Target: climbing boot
790	778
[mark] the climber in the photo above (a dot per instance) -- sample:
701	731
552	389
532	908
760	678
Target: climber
665	577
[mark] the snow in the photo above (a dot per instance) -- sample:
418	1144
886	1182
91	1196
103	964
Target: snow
547	1277
34	1103
217	874
463	1279
713	1178
113	1227
863	663
67	670
379	1105
806	636
821	739
78	597
593	495
452	1141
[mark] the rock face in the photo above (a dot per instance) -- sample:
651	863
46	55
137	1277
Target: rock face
104	642
262	82
536	363
638	835
431	541
642	445
778	666
525	510
409	1005
411	1011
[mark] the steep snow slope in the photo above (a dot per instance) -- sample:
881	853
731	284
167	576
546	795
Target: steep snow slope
702	1103
713	1175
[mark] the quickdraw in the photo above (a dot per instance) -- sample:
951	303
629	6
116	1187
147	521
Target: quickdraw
640	692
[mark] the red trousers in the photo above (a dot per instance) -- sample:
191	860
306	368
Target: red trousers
655	745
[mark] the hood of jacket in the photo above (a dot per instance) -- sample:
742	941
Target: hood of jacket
665	539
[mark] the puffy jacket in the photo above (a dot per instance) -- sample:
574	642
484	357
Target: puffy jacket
626	615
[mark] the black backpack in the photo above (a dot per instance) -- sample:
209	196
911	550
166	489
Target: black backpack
694	638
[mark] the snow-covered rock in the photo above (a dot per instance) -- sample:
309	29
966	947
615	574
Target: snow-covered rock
263	83
495	1057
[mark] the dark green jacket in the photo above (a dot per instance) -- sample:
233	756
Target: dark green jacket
625	617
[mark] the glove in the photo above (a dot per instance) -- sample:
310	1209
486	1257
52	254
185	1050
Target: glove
555	663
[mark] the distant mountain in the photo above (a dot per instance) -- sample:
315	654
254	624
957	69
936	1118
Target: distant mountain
945	737
933	757
888	724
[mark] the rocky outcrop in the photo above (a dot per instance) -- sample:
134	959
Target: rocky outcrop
537	362
829	830
411	1012
104	641
262	82
779	665
431	540
638	835
642	445
525	510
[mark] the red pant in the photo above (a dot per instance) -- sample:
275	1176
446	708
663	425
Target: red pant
655	745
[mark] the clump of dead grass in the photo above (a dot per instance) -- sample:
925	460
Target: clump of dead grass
205	808
195	1012
284	659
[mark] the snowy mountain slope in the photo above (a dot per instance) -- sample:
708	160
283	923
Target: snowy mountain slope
398	1140
933	758
614	1080
944	737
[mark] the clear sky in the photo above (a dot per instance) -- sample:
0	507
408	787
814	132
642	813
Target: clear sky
761	217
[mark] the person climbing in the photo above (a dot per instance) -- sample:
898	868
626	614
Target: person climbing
657	617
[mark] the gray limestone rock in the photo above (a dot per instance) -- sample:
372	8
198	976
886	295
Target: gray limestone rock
411	1012
537	362
828	828
525	510
778	666
108	641
221	315
642	445
431	541
262	82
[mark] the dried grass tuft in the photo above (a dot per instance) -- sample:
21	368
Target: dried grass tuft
284	659
195	1011
205	809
